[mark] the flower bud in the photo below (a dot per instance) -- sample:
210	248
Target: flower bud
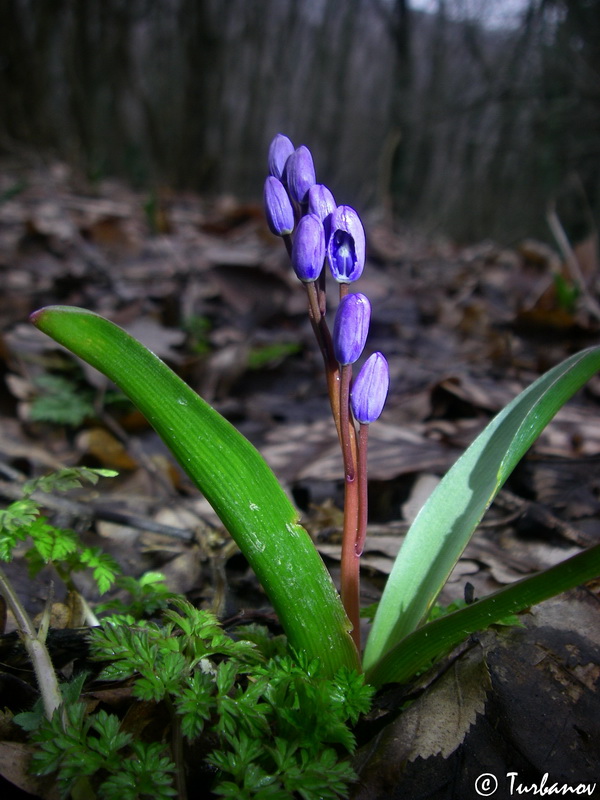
369	389
280	149
346	246
308	249
322	204
351	327
300	173
278	207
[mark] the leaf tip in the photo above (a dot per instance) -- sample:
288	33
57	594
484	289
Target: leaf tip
35	317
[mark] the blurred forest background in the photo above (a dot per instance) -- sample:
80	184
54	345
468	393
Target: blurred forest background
463	117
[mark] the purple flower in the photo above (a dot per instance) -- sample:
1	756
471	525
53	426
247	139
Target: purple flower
351	327
346	246
280	149
308	249
278	207
369	389
300	173
322	204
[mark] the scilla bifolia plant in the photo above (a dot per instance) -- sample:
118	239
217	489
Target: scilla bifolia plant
323	238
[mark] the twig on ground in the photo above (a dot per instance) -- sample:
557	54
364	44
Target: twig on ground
13	491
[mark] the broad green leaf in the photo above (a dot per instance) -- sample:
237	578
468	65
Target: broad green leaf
446	522
230	473
430	641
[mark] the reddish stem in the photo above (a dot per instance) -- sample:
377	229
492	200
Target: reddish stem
346	422
321	289
314	308
323	337
350	574
363	500
339	400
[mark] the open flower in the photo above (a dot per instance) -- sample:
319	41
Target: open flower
280	149
369	389
346	246
300	173
308	250
278	207
350	328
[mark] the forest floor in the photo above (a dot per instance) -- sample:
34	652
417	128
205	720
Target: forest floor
208	289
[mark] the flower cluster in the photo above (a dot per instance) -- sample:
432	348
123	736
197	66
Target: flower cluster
319	232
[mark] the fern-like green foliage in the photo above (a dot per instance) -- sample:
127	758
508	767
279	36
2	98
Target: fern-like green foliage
148	594
63	480
274	727
61	401
78	746
23	521
68	400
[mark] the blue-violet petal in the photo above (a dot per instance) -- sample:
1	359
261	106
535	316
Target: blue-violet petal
308	249
280	149
278	207
321	203
369	389
300	173
350	327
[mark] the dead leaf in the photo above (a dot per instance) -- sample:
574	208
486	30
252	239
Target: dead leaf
101	444
14	765
440	719
435	724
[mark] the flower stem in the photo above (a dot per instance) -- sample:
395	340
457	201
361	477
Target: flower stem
323	337
287	240
350	575
338	387
321	281
363	501
314	308
346	422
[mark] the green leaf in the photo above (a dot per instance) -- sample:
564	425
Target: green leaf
21	513
104	567
149	594
147	774
63	480
52	544
15	524
427	643
110	736
62	401
448	519
195	704
231	474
